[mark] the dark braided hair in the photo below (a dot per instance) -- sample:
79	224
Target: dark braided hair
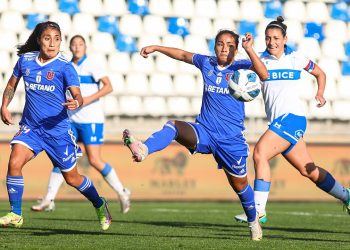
32	42
278	24
235	36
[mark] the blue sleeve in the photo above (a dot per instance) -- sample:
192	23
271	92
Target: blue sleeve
70	76
17	72
198	60
245	64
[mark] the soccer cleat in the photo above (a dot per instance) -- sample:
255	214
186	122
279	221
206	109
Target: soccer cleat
103	215
125	201
243	218
256	233
347	203
138	149
11	219
44	205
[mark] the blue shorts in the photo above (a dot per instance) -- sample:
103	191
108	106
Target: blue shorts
61	150
290	127
88	133
230	153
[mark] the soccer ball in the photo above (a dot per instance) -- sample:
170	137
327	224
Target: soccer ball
244	85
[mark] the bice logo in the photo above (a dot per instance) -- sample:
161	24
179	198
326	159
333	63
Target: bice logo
50	75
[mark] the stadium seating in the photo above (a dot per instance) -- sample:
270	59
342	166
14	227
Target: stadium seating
126	43
108	24
315	30
114	7
46	7
339	11
183	8
34	19
160	7
69	6
178	26
155	106
273	9
138	7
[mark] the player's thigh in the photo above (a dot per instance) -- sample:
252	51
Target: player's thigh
19	156
186	134
300	158
269	145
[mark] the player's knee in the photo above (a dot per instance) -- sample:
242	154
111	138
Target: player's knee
15	165
309	171
72	180
93	161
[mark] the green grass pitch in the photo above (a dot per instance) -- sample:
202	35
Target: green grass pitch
179	225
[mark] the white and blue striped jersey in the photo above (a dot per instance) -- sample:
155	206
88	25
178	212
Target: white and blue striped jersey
220	112
45	88
280	90
90	74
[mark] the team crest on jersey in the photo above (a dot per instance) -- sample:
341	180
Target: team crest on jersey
210	73
38	77
50	75
27	72
228	76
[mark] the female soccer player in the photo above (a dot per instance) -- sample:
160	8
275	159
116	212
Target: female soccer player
86	127
45	125
287	122
219	128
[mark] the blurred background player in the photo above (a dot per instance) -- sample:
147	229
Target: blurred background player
287	121
219	127
45	124
88	126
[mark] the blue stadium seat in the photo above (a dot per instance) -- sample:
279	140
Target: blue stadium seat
34	19
314	30
247	26
108	24
347	49
138	7
211	46
126	43
292	45
69	6
178	26
339	11
345	68
273	9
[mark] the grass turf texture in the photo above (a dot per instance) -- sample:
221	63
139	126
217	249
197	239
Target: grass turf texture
179	225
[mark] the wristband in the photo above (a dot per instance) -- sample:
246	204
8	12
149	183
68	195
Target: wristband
76	101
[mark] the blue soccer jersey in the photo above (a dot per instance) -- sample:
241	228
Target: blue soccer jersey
220	112
45	87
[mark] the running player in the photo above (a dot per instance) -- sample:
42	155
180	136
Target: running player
87	125
287	121
45	125
219	128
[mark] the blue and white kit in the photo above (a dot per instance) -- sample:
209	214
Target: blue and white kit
88	128
220	125
284	109
45	124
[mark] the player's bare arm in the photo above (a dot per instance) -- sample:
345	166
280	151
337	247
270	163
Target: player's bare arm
175	53
105	90
8	95
321	85
76	101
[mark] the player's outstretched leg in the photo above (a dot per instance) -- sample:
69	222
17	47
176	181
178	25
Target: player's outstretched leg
138	149
347	203
104	215
11	220
243	218
256	233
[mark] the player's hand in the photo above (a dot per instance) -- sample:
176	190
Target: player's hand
320	100
145	51
247	41
6	116
71	104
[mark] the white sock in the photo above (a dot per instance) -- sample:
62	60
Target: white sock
260	201
55	182
113	180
